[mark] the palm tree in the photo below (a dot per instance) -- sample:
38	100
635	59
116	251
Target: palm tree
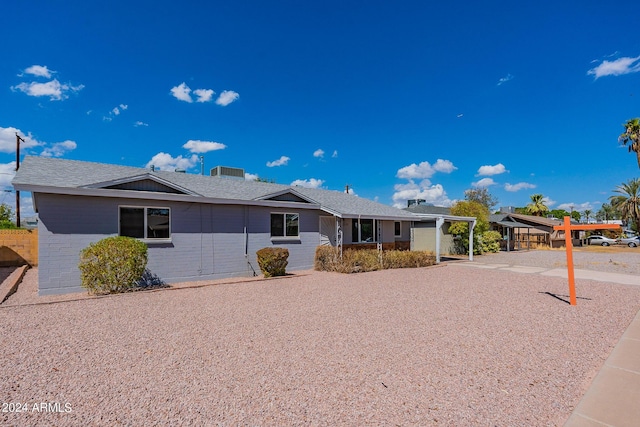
537	206
628	201
606	212
631	136
587	213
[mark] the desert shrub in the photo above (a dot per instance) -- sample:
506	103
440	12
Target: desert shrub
407	259
327	259
490	241
273	261
361	260
112	265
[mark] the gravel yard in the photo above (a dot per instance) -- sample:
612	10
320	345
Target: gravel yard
450	345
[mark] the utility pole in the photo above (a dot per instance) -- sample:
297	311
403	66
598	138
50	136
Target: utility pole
201	165
18	139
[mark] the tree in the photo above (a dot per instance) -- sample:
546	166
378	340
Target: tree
587	213
559	213
575	215
631	136
482	196
6	216
537	206
606	212
627	202
481	213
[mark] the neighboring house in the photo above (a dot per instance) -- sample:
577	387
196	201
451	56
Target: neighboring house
196	227
527	231
431	229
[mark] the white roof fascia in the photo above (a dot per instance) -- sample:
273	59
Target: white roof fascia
331	211
141	177
380	217
447	217
152	195
285	191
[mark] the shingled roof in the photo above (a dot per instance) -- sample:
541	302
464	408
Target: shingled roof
61	176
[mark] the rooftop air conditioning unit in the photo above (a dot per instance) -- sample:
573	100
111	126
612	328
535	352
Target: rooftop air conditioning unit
227	172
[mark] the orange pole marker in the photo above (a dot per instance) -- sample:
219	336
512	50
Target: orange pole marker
567	227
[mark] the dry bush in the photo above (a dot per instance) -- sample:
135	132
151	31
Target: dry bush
407	259
361	260
273	261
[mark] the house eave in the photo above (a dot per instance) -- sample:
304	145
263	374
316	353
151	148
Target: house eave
429	217
152	195
140	177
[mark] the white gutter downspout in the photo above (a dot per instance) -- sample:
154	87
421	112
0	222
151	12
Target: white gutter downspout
439	224
472	225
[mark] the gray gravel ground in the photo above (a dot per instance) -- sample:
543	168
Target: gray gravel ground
611	259
452	346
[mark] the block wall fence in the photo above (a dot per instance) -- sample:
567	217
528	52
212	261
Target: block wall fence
18	247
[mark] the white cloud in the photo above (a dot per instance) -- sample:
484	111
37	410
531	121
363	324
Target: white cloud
204	95
165	162
196	146
620	66
319	153
488	170
39	70
425	169
519	186
250	176
580	207
483	183
115	111
58	149
55	90
227	97
139	123
282	161
505	79
7	172
8	140
308	183
335	154
444	166
432	194
547	201
182	92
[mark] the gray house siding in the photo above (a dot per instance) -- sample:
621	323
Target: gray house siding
425	237
207	241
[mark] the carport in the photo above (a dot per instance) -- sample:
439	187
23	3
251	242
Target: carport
440	220
512	228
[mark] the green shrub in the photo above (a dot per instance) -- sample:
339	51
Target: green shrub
112	265
491	241
361	260
273	261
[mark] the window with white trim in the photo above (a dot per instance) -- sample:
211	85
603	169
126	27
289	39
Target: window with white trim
145	222
285	225
363	230
397	230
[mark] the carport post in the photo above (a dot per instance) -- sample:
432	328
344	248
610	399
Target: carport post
472	225
439	224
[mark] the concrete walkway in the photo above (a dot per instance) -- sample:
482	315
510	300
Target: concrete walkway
613	398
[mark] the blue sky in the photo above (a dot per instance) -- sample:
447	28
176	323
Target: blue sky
398	100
